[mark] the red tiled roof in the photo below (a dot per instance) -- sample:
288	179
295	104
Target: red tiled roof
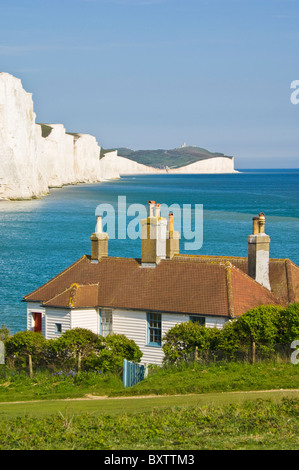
186	284
283	273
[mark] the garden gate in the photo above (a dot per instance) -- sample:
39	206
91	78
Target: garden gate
132	373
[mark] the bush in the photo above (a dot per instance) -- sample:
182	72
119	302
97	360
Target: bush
183	338
25	346
73	346
265	326
259	326
78	348
109	357
229	340
288	328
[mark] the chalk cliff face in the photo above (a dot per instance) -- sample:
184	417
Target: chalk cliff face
35	157
211	165
20	163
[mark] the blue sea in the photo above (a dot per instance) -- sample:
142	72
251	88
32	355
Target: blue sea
41	237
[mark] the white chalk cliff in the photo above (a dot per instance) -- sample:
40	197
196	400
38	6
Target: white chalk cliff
35	157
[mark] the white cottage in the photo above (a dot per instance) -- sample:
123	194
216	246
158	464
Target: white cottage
144	298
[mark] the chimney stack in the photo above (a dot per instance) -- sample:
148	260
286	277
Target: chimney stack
153	236
172	239
258	252
99	242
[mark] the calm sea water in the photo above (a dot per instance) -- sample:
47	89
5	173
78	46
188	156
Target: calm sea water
39	238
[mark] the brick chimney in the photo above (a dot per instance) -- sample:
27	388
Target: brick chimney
99	242
153	236
172	239
258	252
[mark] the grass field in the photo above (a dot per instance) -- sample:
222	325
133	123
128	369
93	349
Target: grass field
176	424
227	407
192	378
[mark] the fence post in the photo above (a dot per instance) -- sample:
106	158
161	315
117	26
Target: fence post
196	354
2	353
253	352
125	380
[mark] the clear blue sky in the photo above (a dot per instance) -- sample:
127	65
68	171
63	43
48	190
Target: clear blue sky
158	73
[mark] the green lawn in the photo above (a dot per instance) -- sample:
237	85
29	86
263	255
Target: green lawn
213	423
219	406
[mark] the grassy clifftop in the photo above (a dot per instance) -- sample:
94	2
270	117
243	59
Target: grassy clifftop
173	158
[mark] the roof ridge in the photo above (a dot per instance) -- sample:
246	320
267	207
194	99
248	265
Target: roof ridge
289	276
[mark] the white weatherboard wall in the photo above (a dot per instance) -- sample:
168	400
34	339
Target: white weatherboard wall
56	315
86	318
30	164
133	324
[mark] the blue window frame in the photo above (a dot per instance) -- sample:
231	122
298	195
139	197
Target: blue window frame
197	319
58	328
154	329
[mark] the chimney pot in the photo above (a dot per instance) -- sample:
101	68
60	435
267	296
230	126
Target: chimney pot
158	210
99	228
261	222
151	205
255	225
173	239
170	222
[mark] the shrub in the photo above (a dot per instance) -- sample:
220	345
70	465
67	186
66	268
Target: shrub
109	356
25	345
183	338
260	326
77	348
288	328
229	340
73	346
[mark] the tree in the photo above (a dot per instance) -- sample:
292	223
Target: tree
28	344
